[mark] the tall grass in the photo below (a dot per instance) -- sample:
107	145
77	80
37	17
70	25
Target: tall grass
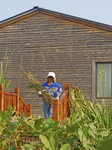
3	80
97	120
90	110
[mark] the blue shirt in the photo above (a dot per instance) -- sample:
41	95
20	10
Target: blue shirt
54	88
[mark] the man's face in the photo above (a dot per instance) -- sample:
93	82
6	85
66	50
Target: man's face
50	79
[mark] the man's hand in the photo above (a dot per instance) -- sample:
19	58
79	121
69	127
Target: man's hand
55	94
40	93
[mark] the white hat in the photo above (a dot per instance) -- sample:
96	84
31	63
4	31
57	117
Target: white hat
52	74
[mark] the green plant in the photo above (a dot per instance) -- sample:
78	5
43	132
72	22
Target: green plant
102	74
88	127
98	119
36	85
7	83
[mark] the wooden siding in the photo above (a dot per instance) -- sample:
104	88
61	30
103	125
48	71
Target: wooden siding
44	43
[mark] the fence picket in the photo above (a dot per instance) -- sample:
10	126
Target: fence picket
13	99
61	107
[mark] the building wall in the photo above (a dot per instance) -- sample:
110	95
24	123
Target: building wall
44	43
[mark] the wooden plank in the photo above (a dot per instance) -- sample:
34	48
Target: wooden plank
2	96
21	106
18	106
29	107
65	108
25	109
56	109
61	112
67	87
5	102
14	102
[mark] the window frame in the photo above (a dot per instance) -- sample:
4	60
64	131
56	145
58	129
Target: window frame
94	79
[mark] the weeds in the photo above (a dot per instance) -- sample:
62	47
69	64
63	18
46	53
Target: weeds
7	83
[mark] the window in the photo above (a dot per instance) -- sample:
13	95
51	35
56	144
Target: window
103	80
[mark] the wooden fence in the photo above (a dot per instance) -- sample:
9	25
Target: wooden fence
61	110
15	100
61	107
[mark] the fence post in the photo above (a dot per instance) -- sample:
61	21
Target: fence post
29	107
17	92
56	109
67	87
1	97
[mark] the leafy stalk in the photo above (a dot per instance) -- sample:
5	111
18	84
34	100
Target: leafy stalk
7	83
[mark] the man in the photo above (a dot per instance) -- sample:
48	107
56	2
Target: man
54	89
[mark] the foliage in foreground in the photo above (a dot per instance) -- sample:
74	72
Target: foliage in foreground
97	117
89	128
43	135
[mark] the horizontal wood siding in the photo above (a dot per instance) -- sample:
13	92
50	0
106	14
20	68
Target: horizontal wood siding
44	43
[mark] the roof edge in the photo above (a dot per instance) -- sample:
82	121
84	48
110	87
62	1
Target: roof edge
66	16
18	15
